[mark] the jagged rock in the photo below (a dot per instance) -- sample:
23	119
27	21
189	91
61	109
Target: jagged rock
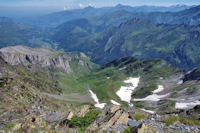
92	127
135	125
2	131
17	127
192	75
83	55
145	129
70	116
114	108
39	58
123	118
84	110
113	120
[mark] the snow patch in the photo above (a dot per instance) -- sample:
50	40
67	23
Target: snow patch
148	111
114	102
125	91
153	97
122	68
180	82
189	105
160	88
94	97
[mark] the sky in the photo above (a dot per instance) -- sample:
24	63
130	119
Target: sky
97	3
22	8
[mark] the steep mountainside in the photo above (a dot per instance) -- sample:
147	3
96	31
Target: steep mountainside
192	75
189	16
39	58
12	34
177	44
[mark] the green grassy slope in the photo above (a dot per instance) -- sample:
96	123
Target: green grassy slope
108	79
177	44
12	34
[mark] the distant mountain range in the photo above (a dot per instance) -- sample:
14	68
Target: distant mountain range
12	33
109	33
178	44
55	19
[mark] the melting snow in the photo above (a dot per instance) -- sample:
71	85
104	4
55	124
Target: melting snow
180	82
187	105
148	111
114	102
160	88
122	68
125	91
98	105
154	97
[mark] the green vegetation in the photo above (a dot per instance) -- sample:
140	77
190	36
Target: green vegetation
192	90
174	95
104	83
9	126
139	116
171	104
188	121
84	122
70	84
1	84
21	34
137	37
139	104
108	79
127	130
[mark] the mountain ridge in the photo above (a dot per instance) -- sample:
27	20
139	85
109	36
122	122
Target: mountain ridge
43	58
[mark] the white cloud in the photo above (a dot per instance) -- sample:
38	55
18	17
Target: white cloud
81	5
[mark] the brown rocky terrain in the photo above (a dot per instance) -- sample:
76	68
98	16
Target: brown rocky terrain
42	58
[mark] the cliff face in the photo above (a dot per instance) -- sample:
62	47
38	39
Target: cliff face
192	75
40	58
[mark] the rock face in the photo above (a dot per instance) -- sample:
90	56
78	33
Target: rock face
192	75
39	58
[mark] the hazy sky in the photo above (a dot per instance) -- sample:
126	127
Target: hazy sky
23	8
97	3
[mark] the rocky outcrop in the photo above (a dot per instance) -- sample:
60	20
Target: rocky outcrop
85	109
40	58
192	75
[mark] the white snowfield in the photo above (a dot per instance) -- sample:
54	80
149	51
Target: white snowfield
148	111
160	88
114	102
98	105
125	91
180	82
188	105
154	97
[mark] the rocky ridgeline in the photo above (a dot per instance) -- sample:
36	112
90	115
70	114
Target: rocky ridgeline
192	75
40	58
111	119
